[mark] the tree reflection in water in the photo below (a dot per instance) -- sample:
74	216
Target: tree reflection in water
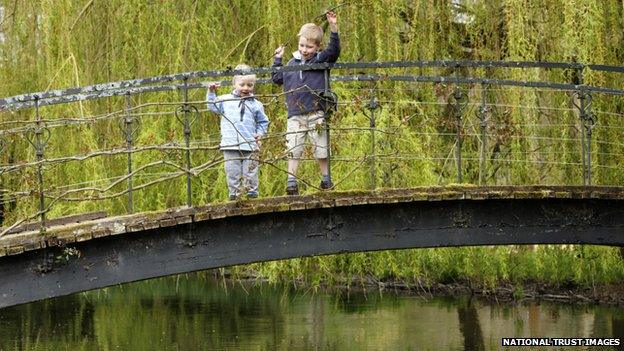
470	327
199	313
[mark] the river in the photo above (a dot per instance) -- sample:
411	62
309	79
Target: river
196	312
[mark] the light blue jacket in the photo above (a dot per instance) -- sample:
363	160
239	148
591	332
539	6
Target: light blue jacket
240	120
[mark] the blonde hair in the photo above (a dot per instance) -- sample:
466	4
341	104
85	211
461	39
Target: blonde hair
312	32
243	67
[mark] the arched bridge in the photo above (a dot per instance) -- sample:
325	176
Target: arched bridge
99	253
416	135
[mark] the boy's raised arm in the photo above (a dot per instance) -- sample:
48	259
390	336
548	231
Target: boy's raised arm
332	52
278	77
211	98
332	19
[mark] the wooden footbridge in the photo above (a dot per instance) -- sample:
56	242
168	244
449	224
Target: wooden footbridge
44	253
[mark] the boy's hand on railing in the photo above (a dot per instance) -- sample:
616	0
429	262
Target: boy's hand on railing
279	52
213	86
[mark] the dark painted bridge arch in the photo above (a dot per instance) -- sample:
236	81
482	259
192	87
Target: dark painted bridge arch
110	251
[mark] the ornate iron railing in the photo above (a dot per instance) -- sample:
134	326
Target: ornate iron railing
474	110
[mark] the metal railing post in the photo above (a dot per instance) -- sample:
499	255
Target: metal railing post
372	106
39	143
581	107
187	140
129	132
483	118
460	102
590	121
581	97
187	122
40	152
587	121
327	115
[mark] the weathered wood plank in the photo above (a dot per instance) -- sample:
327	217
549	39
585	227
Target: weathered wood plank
83	217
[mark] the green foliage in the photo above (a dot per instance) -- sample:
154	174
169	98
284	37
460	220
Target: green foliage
485	267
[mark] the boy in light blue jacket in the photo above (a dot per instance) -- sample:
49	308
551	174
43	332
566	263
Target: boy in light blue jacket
243	124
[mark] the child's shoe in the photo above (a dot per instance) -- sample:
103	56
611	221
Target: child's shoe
326	184
292	189
252	195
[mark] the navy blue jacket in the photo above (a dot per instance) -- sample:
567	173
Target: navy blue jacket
303	87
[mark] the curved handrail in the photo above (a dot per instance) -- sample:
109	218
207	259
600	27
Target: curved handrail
121	87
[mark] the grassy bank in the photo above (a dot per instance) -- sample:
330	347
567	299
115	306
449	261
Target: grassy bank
553	268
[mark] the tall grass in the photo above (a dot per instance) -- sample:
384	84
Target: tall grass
479	267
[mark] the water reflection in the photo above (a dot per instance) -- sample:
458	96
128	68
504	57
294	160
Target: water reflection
470	327
197	313
617	324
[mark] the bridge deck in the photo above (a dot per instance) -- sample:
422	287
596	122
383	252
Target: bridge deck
61	235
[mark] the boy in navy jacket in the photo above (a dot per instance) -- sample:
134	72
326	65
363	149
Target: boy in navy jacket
306	110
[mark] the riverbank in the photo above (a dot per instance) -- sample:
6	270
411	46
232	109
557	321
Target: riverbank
612	295
572	273
608	295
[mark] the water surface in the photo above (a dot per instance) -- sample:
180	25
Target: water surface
193	312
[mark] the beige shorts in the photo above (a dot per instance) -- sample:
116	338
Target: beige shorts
310	126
